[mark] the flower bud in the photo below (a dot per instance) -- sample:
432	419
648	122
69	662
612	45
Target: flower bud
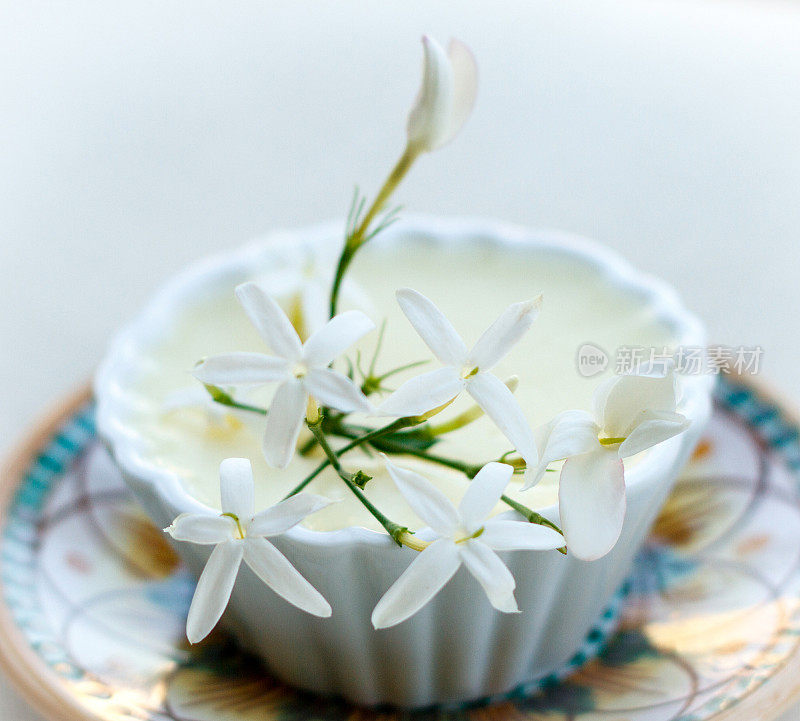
446	97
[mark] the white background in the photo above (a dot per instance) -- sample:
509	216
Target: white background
137	136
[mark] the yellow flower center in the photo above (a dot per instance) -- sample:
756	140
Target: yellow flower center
235	518
468	372
469	538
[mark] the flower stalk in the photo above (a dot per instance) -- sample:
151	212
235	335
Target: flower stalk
368	437
443	104
399	533
361	235
226	399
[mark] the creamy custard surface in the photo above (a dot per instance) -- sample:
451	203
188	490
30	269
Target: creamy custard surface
472	285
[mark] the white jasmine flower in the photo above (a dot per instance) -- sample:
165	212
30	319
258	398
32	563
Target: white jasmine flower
446	97
301	369
466	369
465	536
240	534
631	414
301	281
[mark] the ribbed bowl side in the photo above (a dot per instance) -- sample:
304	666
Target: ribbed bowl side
458	648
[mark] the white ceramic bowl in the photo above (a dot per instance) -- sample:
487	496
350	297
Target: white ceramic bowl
457	648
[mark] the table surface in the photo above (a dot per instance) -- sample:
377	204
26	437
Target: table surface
139	136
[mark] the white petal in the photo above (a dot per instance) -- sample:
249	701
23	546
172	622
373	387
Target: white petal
239	369
335	337
337	391
433	327
425	499
483	493
493	575
429	121
570	433
284	421
619	404
423	393
282	516
491	394
270	321
213	590
418	584
195	528
504	535
314	304
652	428
600	396
465	82
591	496
236	487
502	335
274	569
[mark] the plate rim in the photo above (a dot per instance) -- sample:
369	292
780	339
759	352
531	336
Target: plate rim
42	688
35	682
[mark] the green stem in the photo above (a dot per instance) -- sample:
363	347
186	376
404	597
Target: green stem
359	235
310	477
468	469
228	401
394	426
395	530
399	424
399	171
532	516
390	445
307	447
373	384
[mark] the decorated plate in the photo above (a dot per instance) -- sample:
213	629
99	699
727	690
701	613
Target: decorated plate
93	600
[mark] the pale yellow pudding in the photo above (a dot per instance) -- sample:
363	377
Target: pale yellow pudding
472	285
